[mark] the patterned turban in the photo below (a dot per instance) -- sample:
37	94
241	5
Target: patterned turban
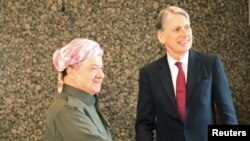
76	51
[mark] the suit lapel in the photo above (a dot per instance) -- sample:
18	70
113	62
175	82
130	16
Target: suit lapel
194	67
166	79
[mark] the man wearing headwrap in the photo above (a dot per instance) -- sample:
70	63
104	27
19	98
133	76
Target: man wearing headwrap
74	115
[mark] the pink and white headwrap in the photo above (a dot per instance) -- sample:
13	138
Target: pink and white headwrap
76	51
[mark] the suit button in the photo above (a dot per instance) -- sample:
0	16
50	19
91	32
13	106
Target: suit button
186	131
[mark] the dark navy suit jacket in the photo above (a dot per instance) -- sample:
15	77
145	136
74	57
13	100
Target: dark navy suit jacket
207	86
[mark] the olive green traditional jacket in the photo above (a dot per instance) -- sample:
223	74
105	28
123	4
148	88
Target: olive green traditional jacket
74	116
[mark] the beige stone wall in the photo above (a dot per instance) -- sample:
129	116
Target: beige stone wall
31	30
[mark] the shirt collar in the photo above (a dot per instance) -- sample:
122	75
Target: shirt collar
183	60
79	94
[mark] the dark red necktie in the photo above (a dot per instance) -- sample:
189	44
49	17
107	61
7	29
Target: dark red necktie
180	92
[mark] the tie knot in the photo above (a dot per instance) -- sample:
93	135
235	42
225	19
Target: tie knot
178	64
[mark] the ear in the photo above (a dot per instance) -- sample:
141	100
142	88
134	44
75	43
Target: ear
160	37
70	72
69	69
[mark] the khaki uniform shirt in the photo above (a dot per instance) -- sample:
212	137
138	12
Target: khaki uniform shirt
74	116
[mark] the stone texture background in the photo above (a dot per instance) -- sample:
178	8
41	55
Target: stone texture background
30	31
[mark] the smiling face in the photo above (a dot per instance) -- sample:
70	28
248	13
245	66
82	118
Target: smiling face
88	75
176	35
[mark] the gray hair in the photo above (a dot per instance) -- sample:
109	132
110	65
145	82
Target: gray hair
165	13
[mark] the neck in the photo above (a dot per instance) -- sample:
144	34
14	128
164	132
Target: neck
69	81
177	56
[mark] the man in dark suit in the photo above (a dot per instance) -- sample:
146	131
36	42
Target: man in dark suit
160	85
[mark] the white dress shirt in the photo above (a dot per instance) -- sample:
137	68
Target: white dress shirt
174	69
